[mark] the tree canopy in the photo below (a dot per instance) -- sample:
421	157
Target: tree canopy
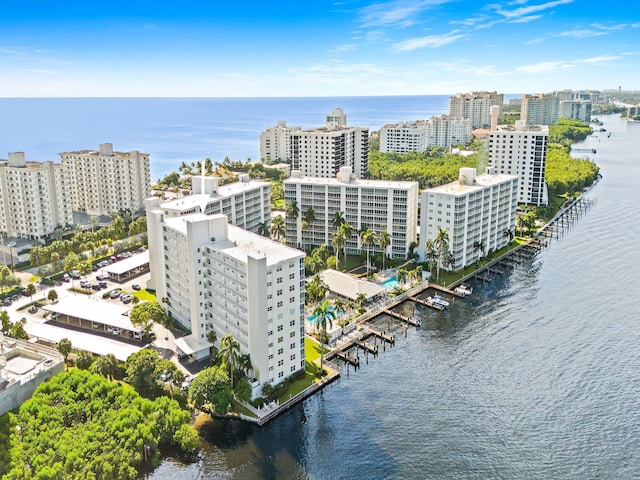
211	389
80	425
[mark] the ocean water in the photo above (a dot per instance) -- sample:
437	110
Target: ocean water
173	130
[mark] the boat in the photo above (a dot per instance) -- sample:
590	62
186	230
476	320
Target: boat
440	301
463	290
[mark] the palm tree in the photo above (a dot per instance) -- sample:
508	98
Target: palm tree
441	243
361	301
324	314
347	229
30	290
418	273
478	246
338	305
309	217
384	240
64	347
292	211
244	363
508	233
212	338
367	240
263	228
278	228
229	354
94	219
401	276
430	254
338	219
338	242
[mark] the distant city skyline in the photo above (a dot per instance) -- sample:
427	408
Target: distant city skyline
341	48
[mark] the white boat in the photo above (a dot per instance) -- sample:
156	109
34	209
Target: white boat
464	290
439	300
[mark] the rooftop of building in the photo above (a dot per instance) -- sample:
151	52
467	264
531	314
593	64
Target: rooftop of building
353	182
203	199
94	310
96	153
520	127
345	285
20	360
240	243
481	181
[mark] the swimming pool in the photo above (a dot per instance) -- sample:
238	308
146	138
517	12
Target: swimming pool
390	283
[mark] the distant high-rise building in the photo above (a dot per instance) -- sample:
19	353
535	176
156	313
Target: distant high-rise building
522	150
576	109
321	152
275	142
34	197
105	181
475	106
475	210
440	131
540	109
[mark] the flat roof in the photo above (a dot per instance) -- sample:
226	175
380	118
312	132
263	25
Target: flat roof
191	344
81	340
344	284
203	199
358	182
93	310
482	181
122	266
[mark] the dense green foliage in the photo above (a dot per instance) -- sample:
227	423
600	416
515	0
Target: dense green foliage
567	175
211	390
431	168
144	369
80	425
568	131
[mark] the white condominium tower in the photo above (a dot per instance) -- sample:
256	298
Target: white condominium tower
321	152
380	205
540	109
476	210
213	276
34	197
576	109
440	131
246	203
475	106
275	142
521	150
105	181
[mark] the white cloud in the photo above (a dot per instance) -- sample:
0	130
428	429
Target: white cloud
349	47
528	18
397	13
527	9
430	41
545	67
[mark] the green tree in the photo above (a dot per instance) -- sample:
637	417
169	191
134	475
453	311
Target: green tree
384	240
478	247
338	219
52	295
212	338
17	330
5	275
64	347
107	366
263	228
242	390
144	314
441	243
84	360
142	371
367	240
211	390
338	242
309	217
324	314
229	354
278	228
30	290
6	322
187	438
293	210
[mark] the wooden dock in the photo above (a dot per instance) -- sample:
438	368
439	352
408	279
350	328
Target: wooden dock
408	320
389	338
345	357
367	347
428	303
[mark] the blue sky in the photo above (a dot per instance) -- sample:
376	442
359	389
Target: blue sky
315	48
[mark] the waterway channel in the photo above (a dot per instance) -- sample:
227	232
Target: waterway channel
536	375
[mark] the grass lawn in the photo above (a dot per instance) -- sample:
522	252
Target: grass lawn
144	295
312	350
237	407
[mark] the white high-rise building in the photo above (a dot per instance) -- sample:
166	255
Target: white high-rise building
521	150
321	152
213	276
475	106
540	109
34	197
476	210
275	142
440	131
105	181
576	109
404	137
380	205
246	203
445	130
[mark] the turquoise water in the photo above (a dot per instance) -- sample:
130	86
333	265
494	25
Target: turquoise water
390	283
312	318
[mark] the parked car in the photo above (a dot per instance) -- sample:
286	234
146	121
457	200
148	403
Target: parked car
126	298
135	286
103	284
95	286
115	293
187	381
6	302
